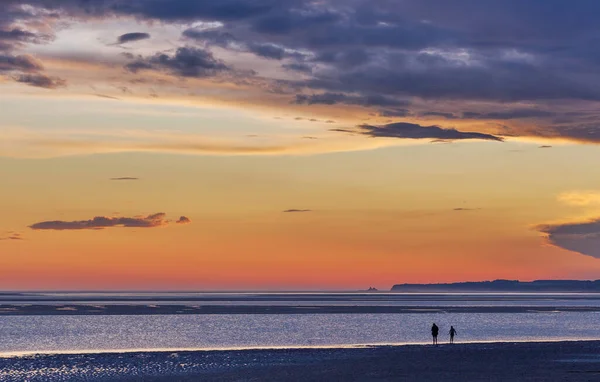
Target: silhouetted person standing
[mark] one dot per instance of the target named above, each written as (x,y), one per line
(434,333)
(452,334)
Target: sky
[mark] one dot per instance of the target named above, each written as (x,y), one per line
(297,144)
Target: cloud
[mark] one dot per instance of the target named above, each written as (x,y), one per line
(343,131)
(509,114)
(107,96)
(12,38)
(27,70)
(132,37)
(212,36)
(581,237)
(299,67)
(124,178)
(514,61)
(462,209)
(16,34)
(13,35)
(579,198)
(438,114)
(394,113)
(183,220)
(227,40)
(25,63)
(297,211)
(271,51)
(545,147)
(186,62)
(415,131)
(12,236)
(101,222)
(41,81)
(175,10)
(335,98)
(29,144)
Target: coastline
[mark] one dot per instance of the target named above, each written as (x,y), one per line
(494,361)
(84,352)
(158,309)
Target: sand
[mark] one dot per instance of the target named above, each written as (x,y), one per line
(531,361)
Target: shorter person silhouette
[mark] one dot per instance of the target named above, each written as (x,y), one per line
(434,333)
(452,334)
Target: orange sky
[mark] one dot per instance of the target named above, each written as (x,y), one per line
(281,162)
(375,219)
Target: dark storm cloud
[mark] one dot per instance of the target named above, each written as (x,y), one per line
(495,51)
(415,131)
(227,40)
(211,36)
(186,62)
(488,80)
(268,51)
(299,67)
(101,222)
(335,98)
(131,37)
(124,178)
(41,81)
(510,114)
(167,10)
(582,237)
(16,34)
(296,211)
(438,114)
(164,10)
(347,58)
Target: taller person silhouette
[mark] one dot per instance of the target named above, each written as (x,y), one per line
(434,333)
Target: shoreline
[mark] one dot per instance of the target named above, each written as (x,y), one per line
(577,360)
(83,352)
(157,309)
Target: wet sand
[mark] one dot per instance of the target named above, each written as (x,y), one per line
(551,361)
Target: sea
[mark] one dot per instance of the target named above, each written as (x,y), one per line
(48,323)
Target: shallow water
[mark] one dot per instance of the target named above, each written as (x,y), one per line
(93,333)
(313,299)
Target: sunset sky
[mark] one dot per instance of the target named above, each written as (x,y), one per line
(297,144)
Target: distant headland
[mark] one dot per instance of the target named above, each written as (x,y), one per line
(504,286)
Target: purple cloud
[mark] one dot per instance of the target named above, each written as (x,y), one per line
(101,222)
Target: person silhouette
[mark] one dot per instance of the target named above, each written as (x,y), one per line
(452,334)
(434,333)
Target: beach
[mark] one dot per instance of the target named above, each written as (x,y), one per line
(501,361)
